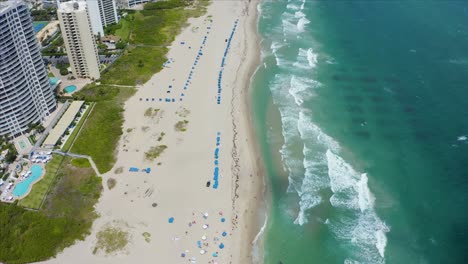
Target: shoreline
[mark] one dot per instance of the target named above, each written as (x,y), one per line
(245,75)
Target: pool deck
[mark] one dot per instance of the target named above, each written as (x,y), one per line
(22,150)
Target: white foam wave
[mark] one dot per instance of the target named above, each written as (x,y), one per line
(306,59)
(312,58)
(302,23)
(314,181)
(289,114)
(303,4)
(364,230)
(275,46)
(292,6)
(301,88)
(289,24)
(316,175)
(462,138)
(310,132)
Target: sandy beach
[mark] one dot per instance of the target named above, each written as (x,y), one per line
(199,203)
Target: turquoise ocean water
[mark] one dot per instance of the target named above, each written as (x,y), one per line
(361,113)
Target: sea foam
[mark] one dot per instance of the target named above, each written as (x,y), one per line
(363,229)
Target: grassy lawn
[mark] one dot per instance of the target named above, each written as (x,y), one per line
(67,215)
(126,27)
(135,66)
(152,29)
(100,134)
(81,163)
(39,190)
(50,74)
(72,136)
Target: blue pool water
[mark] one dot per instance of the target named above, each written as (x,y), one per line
(53,80)
(22,188)
(39,25)
(70,89)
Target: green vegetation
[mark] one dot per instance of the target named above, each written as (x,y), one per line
(81,163)
(63,68)
(111,239)
(149,32)
(75,132)
(154,152)
(150,112)
(161,136)
(67,215)
(40,189)
(183,112)
(135,66)
(100,134)
(119,170)
(50,74)
(146,236)
(181,126)
(46,14)
(111,182)
(122,29)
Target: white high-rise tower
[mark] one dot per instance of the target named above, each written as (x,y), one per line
(25,92)
(79,39)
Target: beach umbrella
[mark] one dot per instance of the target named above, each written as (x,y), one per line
(205,226)
(171,220)
(223,219)
(182,255)
(205,215)
(224,234)
(202,251)
(203,237)
(215,254)
(221,246)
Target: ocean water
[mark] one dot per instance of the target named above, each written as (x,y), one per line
(361,112)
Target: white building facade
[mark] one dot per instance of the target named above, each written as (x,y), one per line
(79,39)
(108,12)
(26,95)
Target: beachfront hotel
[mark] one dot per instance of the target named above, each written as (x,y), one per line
(25,92)
(79,39)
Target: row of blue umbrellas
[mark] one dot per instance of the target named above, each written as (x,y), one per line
(220,76)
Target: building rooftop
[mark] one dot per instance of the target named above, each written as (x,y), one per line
(6,5)
(72,6)
(63,124)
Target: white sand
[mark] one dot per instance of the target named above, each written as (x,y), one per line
(178,185)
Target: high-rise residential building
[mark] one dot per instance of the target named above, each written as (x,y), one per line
(108,12)
(79,39)
(101,13)
(25,92)
(95,17)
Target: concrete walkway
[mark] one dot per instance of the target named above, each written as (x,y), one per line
(74,155)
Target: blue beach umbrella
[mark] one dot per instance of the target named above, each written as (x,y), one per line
(221,246)
(171,220)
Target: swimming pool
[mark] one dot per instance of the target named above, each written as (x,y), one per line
(23,187)
(38,25)
(70,88)
(53,80)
